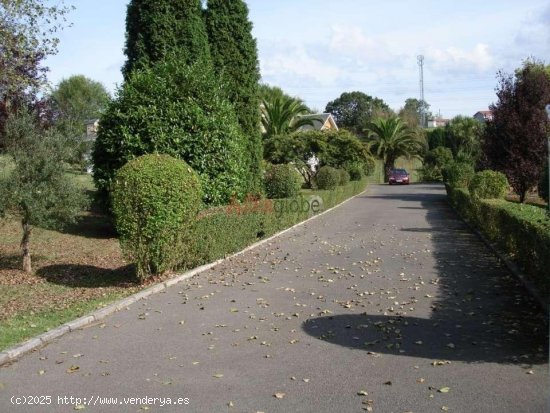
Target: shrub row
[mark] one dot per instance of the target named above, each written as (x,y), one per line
(222,231)
(522,231)
(156,200)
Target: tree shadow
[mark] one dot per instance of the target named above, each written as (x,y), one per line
(470,339)
(481,312)
(92,224)
(10,262)
(89,276)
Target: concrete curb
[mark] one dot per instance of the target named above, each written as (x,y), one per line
(37,342)
(510,265)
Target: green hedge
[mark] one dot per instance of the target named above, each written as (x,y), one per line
(224,230)
(522,231)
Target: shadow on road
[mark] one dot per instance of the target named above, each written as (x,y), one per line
(480,314)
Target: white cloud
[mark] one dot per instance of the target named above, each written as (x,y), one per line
(352,41)
(454,59)
(297,62)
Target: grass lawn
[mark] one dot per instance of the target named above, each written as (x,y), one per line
(76,271)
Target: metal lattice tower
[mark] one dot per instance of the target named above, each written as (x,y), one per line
(420,60)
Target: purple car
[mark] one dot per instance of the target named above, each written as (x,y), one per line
(399,177)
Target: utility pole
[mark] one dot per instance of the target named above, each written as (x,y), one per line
(420,59)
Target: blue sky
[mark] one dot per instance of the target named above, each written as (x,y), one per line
(317,49)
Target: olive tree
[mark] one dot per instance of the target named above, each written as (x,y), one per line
(36,189)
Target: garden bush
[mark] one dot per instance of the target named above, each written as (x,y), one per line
(344,177)
(155,199)
(181,111)
(430,173)
(355,172)
(521,231)
(282,181)
(458,174)
(433,164)
(489,185)
(327,178)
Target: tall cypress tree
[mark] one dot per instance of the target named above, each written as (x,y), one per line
(157,28)
(235,57)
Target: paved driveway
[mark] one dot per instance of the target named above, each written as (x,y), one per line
(386,304)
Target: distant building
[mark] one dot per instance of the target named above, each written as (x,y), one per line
(89,138)
(321,121)
(437,122)
(91,129)
(483,116)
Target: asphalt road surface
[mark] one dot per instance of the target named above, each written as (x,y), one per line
(386,304)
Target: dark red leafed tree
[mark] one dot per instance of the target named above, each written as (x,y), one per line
(515,140)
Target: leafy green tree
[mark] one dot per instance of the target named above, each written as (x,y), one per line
(156,29)
(235,58)
(412,111)
(435,137)
(463,137)
(37,189)
(282,115)
(270,93)
(390,139)
(435,161)
(73,102)
(354,110)
(80,99)
(178,110)
(28,34)
(338,149)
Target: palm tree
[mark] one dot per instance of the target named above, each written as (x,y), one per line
(283,115)
(390,139)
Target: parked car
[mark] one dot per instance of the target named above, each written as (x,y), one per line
(399,177)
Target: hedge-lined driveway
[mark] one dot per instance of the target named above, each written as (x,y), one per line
(386,304)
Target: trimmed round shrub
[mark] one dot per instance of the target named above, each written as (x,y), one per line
(327,178)
(178,110)
(282,181)
(155,199)
(458,174)
(344,177)
(489,185)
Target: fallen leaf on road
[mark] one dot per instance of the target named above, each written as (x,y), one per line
(444,390)
(362,393)
(279,395)
(218,375)
(72,369)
